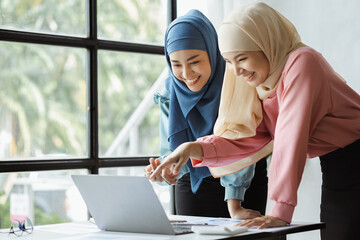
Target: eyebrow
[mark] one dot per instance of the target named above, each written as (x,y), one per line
(190,58)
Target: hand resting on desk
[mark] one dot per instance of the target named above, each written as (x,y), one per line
(263,222)
(238,212)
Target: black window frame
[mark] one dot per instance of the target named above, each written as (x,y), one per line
(93,162)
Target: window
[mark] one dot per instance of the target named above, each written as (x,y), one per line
(76,86)
(128,118)
(43,99)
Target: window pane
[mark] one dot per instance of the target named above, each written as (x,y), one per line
(50,16)
(45,197)
(128,117)
(213,10)
(162,191)
(42,101)
(132,20)
(184,6)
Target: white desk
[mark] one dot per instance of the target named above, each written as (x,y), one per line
(89,231)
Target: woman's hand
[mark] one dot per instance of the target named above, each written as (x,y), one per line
(263,222)
(177,159)
(154,163)
(167,175)
(244,213)
(238,212)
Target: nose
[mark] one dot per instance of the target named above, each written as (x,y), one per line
(238,71)
(187,72)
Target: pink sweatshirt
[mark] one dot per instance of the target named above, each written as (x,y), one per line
(311,113)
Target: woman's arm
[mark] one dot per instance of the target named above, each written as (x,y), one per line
(304,99)
(220,151)
(178,158)
(214,151)
(163,101)
(236,185)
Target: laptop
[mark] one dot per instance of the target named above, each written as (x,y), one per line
(125,204)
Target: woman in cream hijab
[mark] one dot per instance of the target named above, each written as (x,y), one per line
(276,88)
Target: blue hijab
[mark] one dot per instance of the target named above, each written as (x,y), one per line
(193,114)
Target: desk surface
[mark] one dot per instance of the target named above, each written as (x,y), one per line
(88,230)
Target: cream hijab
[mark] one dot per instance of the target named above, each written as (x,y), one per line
(254,27)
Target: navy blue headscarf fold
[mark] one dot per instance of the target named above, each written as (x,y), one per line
(193,114)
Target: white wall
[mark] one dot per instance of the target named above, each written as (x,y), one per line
(331,27)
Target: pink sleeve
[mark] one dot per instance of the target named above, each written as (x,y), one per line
(303,97)
(220,151)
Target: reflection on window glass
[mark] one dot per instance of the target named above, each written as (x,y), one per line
(128,117)
(44,197)
(50,16)
(42,101)
(132,20)
(161,190)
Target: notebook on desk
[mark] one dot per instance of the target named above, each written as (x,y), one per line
(125,204)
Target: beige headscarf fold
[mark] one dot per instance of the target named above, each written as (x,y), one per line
(254,27)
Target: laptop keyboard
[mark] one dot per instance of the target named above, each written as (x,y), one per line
(181,228)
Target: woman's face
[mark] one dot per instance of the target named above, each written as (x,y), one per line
(253,66)
(191,67)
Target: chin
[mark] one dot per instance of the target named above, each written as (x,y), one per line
(253,84)
(194,89)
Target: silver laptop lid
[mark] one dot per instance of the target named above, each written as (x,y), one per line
(123,203)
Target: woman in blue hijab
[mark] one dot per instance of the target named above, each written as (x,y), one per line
(190,108)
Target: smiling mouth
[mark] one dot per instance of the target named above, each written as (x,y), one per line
(192,81)
(249,76)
